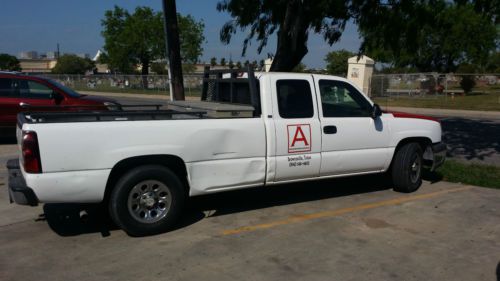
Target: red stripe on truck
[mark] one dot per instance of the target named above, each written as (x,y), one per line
(398,114)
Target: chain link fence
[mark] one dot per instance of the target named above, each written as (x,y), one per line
(435,90)
(428,90)
(133,84)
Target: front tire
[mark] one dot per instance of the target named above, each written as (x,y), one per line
(147,200)
(406,169)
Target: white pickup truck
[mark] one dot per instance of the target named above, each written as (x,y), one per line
(265,129)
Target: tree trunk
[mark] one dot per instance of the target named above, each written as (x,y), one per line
(144,73)
(292,38)
(173,49)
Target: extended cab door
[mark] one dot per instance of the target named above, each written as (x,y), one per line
(352,141)
(297,127)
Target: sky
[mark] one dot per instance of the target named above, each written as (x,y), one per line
(34,25)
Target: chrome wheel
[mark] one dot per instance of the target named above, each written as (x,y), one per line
(149,201)
(415,168)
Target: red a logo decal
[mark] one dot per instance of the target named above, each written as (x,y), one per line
(299,138)
(302,138)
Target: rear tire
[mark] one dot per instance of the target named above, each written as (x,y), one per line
(147,200)
(406,172)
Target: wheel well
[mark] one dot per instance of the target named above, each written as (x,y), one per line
(174,163)
(422,141)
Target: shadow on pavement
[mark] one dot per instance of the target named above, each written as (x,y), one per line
(8,136)
(264,197)
(77,219)
(472,139)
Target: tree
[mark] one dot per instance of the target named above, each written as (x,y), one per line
(159,68)
(136,39)
(299,68)
(468,81)
(223,62)
(10,63)
(238,64)
(493,65)
(292,20)
(336,62)
(72,64)
(231,64)
(191,38)
(432,35)
(213,61)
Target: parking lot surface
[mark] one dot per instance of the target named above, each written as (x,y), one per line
(344,229)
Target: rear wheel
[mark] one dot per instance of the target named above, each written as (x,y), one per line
(406,169)
(147,200)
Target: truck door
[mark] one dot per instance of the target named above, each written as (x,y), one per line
(352,141)
(297,127)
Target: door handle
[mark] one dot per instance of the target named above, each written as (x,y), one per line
(330,129)
(24,105)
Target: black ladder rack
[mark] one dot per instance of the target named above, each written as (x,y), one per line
(213,84)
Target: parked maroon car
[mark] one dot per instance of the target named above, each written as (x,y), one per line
(19,92)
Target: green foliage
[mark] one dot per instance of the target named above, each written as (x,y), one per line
(191,38)
(468,81)
(223,61)
(336,62)
(433,35)
(493,65)
(10,63)
(72,64)
(188,68)
(238,64)
(299,68)
(138,39)
(213,61)
(159,68)
(231,64)
(292,21)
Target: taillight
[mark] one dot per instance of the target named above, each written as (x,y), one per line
(31,153)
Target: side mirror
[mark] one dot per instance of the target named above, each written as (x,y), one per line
(376,111)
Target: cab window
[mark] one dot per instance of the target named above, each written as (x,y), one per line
(340,99)
(32,89)
(6,89)
(294,99)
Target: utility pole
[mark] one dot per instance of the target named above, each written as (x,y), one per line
(173,49)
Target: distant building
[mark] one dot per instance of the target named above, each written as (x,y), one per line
(28,55)
(37,65)
(51,55)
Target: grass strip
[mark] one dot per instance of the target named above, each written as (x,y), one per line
(474,174)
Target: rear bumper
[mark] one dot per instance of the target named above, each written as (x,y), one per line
(19,192)
(439,155)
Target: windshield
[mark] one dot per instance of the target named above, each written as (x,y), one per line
(66,89)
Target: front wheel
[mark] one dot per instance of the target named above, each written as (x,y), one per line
(406,169)
(147,200)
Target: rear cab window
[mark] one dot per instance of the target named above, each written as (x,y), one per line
(294,99)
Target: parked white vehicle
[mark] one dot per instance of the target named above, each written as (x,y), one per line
(286,128)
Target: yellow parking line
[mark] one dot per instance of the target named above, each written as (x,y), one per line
(333,213)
